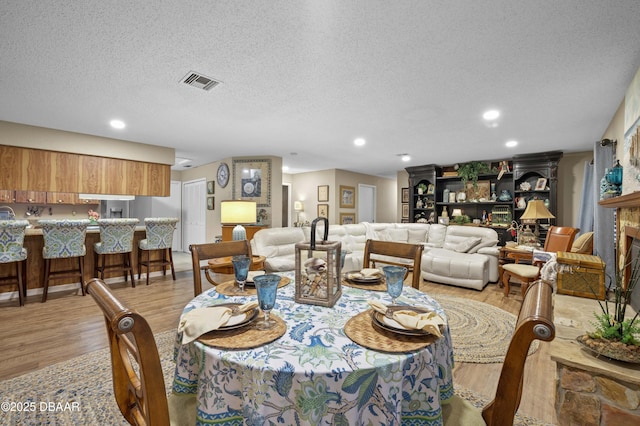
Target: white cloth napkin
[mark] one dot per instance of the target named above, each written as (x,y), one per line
(411,320)
(252,274)
(199,321)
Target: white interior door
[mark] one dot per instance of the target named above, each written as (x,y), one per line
(366,203)
(193,212)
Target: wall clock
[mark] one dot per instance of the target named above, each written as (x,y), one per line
(223,175)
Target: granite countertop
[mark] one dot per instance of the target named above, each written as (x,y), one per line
(572,318)
(91,229)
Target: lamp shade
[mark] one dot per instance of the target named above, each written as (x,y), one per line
(456,212)
(298,206)
(536,210)
(237,212)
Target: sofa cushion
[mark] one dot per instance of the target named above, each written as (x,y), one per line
(466,245)
(437,234)
(398,235)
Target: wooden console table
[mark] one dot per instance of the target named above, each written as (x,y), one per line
(227,231)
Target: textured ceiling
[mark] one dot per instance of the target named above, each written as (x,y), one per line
(302,79)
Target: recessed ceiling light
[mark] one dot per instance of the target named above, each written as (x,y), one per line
(359,142)
(405,157)
(511,144)
(117,124)
(491,114)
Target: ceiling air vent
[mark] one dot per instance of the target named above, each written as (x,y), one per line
(200,81)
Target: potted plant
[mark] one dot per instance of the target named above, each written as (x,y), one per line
(470,171)
(614,335)
(422,188)
(461,220)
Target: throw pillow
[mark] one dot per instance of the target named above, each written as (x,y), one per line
(583,244)
(467,244)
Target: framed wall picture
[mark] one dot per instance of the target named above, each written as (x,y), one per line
(210,203)
(541,184)
(431,189)
(347,218)
(347,197)
(405,210)
(211,187)
(323,210)
(252,181)
(323,193)
(405,195)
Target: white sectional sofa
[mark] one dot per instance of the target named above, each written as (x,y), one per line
(465,256)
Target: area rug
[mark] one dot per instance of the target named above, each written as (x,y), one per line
(79,391)
(480,332)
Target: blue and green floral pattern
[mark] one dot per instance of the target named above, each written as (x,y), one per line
(63,238)
(315,374)
(12,240)
(159,232)
(116,236)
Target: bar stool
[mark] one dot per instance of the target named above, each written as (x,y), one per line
(116,238)
(159,232)
(63,239)
(12,251)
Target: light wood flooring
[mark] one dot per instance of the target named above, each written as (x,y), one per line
(68,325)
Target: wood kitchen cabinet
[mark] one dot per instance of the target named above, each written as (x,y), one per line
(79,200)
(7,196)
(41,170)
(31,197)
(61,198)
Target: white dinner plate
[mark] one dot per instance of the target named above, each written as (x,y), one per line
(357,277)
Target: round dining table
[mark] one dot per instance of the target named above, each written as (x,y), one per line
(314,373)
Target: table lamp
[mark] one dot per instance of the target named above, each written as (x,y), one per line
(238,212)
(298,206)
(535,211)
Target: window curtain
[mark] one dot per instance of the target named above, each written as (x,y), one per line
(604,240)
(589,200)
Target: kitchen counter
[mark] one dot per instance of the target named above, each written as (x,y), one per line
(34,243)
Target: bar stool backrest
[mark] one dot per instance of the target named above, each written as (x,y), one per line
(12,240)
(64,238)
(116,235)
(159,232)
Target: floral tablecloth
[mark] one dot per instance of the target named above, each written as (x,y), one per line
(315,374)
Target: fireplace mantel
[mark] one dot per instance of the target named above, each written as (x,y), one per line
(623,201)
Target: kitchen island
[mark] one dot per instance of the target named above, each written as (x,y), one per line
(34,243)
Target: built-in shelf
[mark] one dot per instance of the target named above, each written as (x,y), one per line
(623,201)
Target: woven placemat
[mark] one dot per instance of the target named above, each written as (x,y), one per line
(246,337)
(229,288)
(361,330)
(381,286)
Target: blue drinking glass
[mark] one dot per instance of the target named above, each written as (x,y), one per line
(266,286)
(394,276)
(241,270)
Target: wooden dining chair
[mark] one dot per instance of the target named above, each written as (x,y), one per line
(535,322)
(389,252)
(139,390)
(559,238)
(202,252)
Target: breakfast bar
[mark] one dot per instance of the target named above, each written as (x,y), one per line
(35,263)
